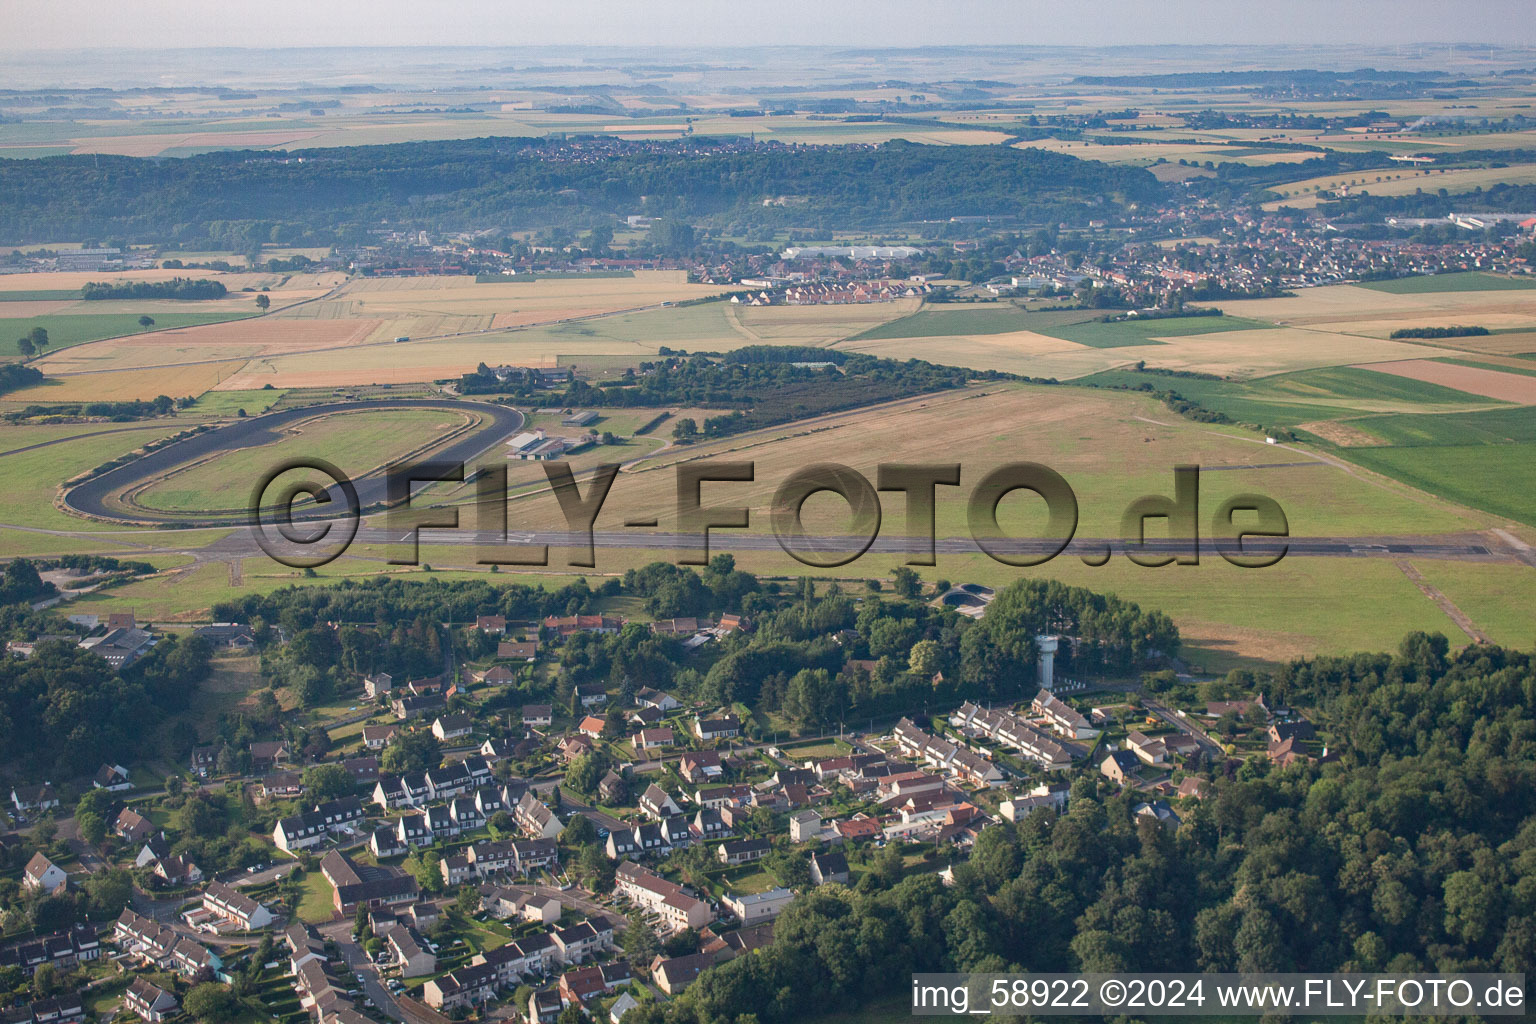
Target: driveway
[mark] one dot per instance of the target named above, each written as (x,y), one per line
(367,973)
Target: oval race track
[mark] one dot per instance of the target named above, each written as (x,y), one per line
(89,498)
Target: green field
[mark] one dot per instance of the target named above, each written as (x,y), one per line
(988,318)
(1491,427)
(1289,399)
(1497,367)
(66,329)
(1495,478)
(1125,333)
(1484,460)
(40,295)
(357,442)
(229,403)
(1465,282)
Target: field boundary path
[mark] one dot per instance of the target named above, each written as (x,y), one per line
(1456,615)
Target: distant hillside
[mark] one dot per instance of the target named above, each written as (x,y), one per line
(335,194)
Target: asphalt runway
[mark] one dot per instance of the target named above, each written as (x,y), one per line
(89,498)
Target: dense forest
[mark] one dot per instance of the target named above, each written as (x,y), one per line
(763,385)
(1415,851)
(15,375)
(818,657)
(64,710)
(332,195)
(175,288)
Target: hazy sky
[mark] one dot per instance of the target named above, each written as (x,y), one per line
(58,24)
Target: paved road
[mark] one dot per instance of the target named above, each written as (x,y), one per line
(1471,547)
(367,973)
(1183,724)
(90,497)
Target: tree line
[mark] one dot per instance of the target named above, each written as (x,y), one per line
(1414,851)
(335,194)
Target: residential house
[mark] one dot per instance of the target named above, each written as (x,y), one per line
(612,789)
(592,727)
(410,952)
(493,625)
(452,727)
(591,695)
(828,867)
(518,650)
(496,675)
(1194,787)
(534,854)
(34,798)
(377,737)
(178,871)
(265,754)
(943,755)
(364,770)
(1120,766)
(751,908)
(652,739)
(112,777)
(538,716)
(585,984)
(456,868)
(572,747)
(1158,811)
(61,1009)
(1062,717)
(707,824)
(1148,749)
(675,906)
(149,1001)
(43,875)
(544,1007)
(658,803)
(386,843)
(700,766)
(1010,730)
(647,697)
(717,727)
(378,685)
(461,988)
(409,707)
(804,827)
(743,851)
(565,625)
(676,974)
(132,826)
(236,907)
(300,832)
(535,819)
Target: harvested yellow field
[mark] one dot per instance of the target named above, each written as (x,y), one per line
(129,385)
(1021,352)
(428,325)
(1403,183)
(813,325)
(424,361)
(59,280)
(1506,387)
(516,304)
(32,307)
(210,342)
(154,145)
(1253,353)
(1384,327)
(1149,152)
(1337,306)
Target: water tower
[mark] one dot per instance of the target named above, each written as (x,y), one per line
(1046,645)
